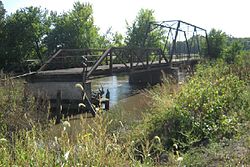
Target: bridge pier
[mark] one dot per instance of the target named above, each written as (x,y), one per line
(152,76)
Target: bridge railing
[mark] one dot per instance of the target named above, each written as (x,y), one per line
(130,59)
(112,60)
(71,58)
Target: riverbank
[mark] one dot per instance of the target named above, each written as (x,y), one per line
(204,122)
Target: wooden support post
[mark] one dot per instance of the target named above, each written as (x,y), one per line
(107,100)
(58,106)
(106,60)
(147,58)
(131,61)
(160,55)
(111,63)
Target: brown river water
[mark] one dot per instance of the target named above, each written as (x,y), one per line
(132,99)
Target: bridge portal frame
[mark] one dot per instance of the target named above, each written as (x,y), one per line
(177,26)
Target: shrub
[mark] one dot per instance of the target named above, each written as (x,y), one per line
(210,106)
(18,107)
(92,146)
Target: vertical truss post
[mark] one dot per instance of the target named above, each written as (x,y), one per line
(198,43)
(188,49)
(111,62)
(131,59)
(208,47)
(147,57)
(174,41)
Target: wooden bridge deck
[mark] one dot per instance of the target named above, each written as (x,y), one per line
(75,74)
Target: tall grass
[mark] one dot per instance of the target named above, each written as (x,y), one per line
(25,141)
(183,125)
(213,106)
(18,108)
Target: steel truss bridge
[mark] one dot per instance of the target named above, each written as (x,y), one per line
(181,44)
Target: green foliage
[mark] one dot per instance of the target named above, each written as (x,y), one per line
(110,39)
(210,107)
(33,24)
(2,12)
(232,51)
(136,33)
(2,33)
(74,29)
(241,67)
(217,42)
(92,146)
(18,106)
(224,46)
(213,100)
(233,152)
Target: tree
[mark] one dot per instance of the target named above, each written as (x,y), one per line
(110,39)
(2,34)
(136,34)
(217,43)
(2,12)
(233,50)
(74,29)
(25,31)
(117,40)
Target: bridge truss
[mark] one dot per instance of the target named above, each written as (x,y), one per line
(181,43)
(181,40)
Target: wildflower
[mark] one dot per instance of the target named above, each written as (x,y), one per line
(79,86)
(66,155)
(56,140)
(157,138)
(180,159)
(81,105)
(3,140)
(121,123)
(65,125)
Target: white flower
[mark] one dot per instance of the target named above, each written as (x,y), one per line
(65,125)
(3,140)
(180,159)
(66,155)
(81,105)
(157,138)
(79,86)
(121,124)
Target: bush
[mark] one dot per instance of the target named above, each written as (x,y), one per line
(209,107)
(18,107)
(241,67)
(92,146)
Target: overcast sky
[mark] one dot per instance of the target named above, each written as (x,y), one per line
(230,16)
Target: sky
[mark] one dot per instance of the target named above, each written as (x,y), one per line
(230,16)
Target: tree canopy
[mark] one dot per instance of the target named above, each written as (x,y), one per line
(74,29)
(216,41)
(36,33)
(25,30)
(137,32)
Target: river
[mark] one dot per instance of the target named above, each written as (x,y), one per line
(118,87)
(130,99)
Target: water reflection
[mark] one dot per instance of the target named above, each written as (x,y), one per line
(118,86)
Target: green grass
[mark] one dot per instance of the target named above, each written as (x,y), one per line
(204,122)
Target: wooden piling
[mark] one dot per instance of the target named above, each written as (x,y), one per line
(58,106)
